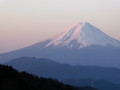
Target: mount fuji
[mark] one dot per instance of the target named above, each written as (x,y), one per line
(79,44)
(80,35)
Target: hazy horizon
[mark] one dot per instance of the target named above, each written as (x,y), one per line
(26,22)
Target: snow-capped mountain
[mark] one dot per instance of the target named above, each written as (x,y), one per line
(81,35)
(80,44)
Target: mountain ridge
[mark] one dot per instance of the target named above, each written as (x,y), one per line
(52,69)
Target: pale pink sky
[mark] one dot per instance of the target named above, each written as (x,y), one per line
(24,22)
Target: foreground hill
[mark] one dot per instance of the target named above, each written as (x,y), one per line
(51,69)
(11,79)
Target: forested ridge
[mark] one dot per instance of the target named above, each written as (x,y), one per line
(11,79)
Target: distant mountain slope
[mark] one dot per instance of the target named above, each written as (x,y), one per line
(48,68)
(80,44)
(99,84)
(11,79)
(92,55)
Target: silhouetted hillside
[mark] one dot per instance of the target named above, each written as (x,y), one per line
(11,79)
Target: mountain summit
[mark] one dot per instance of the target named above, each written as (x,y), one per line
(80,35)
(79,44)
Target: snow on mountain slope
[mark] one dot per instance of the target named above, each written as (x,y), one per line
(81,35)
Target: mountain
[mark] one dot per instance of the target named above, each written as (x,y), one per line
(80,44)
(80,35)
(99,84)
(50,69)
(11,79)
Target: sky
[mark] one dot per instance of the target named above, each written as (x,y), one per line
(25,22)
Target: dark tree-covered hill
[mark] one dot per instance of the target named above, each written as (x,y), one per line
(11,79)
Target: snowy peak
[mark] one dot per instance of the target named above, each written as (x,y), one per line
(80,35)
